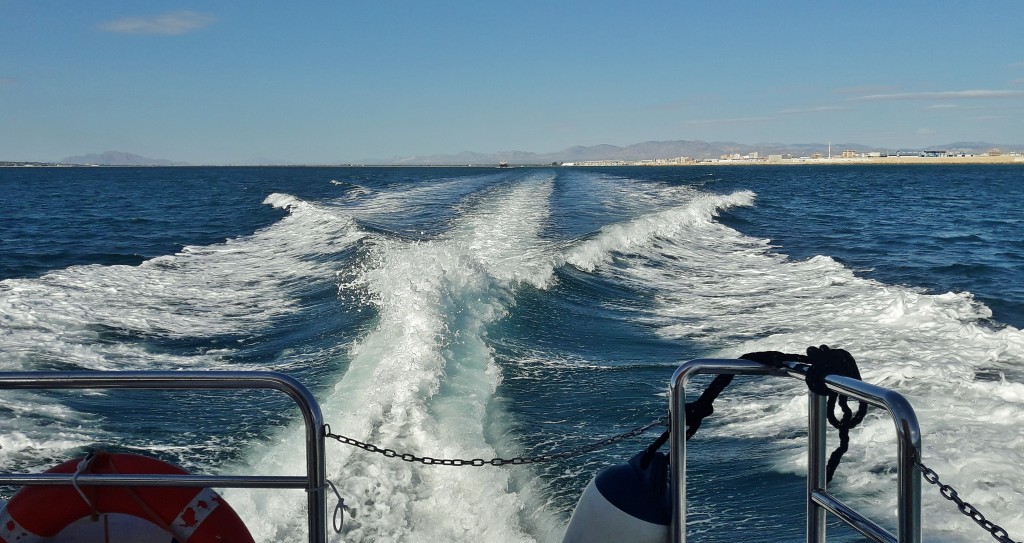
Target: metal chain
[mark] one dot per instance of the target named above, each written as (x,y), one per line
(998,532)
(950,493)
(477,462)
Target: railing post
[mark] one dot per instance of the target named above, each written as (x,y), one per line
(819,501)
(677,454)
(908,474)
(314,483)
(316,463)
(677,425)
(816,464)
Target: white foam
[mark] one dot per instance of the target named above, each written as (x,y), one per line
(735,295)
(641,232)
(36,431)
(421,382)
(504,233)
(229,288)
(66,318)
(407,198)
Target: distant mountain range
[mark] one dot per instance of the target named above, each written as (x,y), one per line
(670,149)
(117,158)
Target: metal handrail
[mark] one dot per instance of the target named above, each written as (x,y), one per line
(314,482)
(819,501)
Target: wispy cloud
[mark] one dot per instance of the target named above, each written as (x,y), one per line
(942,106)
(818,109)
(737,120)
(173,23)
(7,81)
(943,95)
(862,89)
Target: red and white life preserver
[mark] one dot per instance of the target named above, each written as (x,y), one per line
(118,513)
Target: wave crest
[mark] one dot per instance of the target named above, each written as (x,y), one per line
(642,231)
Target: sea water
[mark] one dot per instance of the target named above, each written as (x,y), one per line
(480,313)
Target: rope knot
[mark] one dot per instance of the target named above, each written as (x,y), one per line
(825,361)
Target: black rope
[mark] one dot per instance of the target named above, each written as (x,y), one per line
(773,358)
(696,412)
(703,407)
(653,448)
(822,361)
(825,361)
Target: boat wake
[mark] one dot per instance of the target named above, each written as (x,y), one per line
(386,298)
(422,379)
(734,294)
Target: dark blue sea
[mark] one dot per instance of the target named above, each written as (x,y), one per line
(484,312)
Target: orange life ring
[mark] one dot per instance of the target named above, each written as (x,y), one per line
(185,514)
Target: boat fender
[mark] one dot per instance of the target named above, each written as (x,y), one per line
(627,502)
(114,513)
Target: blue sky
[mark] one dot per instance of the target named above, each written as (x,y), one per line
(340,81)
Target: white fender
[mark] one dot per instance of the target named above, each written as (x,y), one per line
(624,503)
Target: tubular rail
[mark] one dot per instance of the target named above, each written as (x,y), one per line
(314,482)
(819,500)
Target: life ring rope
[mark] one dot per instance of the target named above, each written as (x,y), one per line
(151,515)
(83,467)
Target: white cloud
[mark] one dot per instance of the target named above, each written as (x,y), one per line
(942,106)
(818,109)
(862,89)
(172,23)
(738,120)
(7,81)
(943,95)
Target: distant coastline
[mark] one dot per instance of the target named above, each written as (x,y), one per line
(650,153)
(872,161)
(824,161)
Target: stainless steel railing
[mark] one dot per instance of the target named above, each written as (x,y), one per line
(314,482)
(819,500)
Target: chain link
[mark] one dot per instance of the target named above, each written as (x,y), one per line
(998,532)
(950,493)
(477,462)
